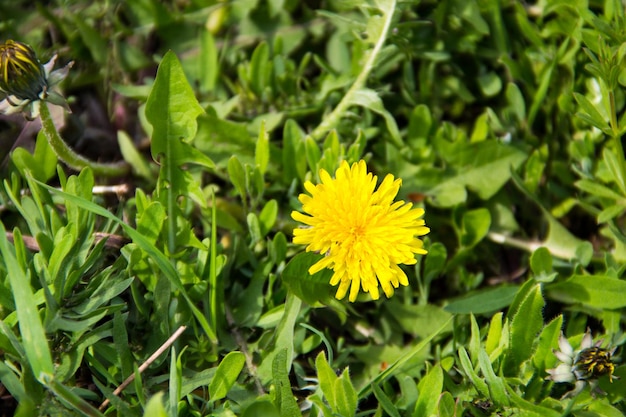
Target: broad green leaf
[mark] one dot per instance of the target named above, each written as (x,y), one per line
(120,340)
(541,265)
(615,168)
(474,226)
(470,12)
(378,26)
(237,175)
(174,381)
(294,166)
(332,153)
(64,241)
(527,408)
(610,213)
(313,154)
(597,189)
(589,113)
(541,261)
(194,380)
(475,339)
(497,386)
(172,110)
(103,294)
(155,254)
(559,240)
(516,101)
(408,392)
(259,70)
(602,409)
(417,320)
(447,406)
(283,339)
(544,358)
(41,164)
(481,128)
(155,407)
(483,167)
(276,6)
(262,151)
(435,262)
(208,60)
(268,216)
(429,391)
(598,291)
(535,167)
(278,248)
(12,383)
(483,301)
(356,149)
(494,334)
(284,399)
(489,83)
(312,289)
(254,227)
(261,407)
(226,374)
(468,370)
(525,326)
(385,402)
(131,155)
(345,395)
(69,396)
(369,99)
(150,221)
(406,357)
(31,328)
(220,138)
(420,122)
(327,379)
(540,93)
(93,39)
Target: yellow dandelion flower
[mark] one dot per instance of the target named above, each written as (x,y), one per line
(362,232)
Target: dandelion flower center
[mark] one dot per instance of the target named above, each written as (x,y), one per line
(362,232)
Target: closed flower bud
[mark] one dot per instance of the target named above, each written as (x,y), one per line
(21,73)
(25,82)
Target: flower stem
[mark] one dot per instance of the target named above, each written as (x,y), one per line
(618,143)
(333,118)
(71,158)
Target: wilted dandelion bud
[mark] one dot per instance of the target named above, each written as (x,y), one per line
(25,82)
(582,366)
(21,73)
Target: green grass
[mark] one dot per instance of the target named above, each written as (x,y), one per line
(164,200)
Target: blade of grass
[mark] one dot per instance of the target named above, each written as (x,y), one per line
(70,397)
(213,298)
(394,367)
(32,331)
(155,254)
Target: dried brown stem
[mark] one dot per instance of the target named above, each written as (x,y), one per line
(145,365)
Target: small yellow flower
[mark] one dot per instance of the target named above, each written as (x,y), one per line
(24,81)
(362,232)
